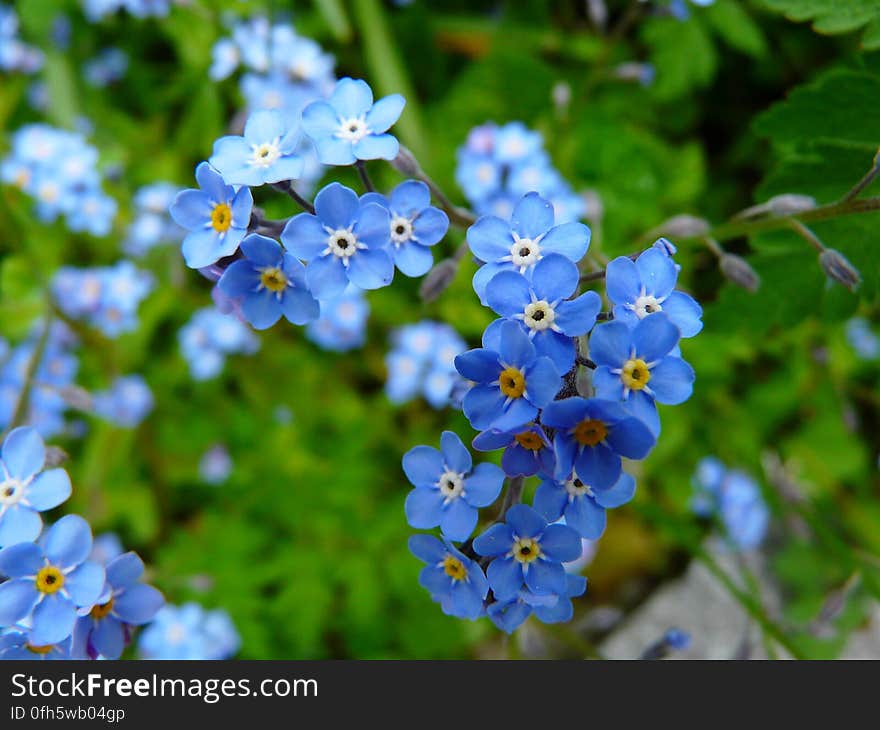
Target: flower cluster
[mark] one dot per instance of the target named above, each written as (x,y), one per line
(57,601)
(560,416)
(734,499)
(15,54)
(499,164)
(152,224)
(106,297)
(96,10)
(58,169)
(209,337)
(342,325)
(422,361)
(126,403)
(189,632)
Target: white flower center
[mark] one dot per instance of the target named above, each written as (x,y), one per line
(539,315)
(11,492)
(176,634)
(525,252)
(353,129)
(401,230)
(646,304)
(576,488)
(343,244)
(451,484)
(265,154)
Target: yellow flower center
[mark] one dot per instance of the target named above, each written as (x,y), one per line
(454,568)
(39,649)
(273,279)
(526,550)
(221,217)
(100,611)
(590,432)
(635,375)
(512,382)
(49,580)
(529,440)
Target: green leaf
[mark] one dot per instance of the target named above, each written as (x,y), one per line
(733,24)
(834,16)
(681,53)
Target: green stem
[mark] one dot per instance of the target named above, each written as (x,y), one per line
(21,406)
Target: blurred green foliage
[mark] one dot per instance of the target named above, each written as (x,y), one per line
(305,545)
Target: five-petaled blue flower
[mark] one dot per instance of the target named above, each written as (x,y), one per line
(543,308)
(415,225)
(267,153)
(512,383)
(124,602)
(50,582)
(582,505)
(448,489)
(455,581)
(527,450)
(25,491)
(216,217)
(592,435)
(635,365)
(646,286)
(526,550)
(526,239)
(350,127)
(269,282)
(344,241)
(15,644)
(509,614)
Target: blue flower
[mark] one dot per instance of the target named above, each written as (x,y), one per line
(211,335)
(645,286)
(350,127)
(543,308)
(526,550)
(15,644)
(527,450)
(189,632)
(454,581)
(50,582)
(635,365)
(582,505)
(592,435)
(124,603)
(25,490)
(509,614)
(512,382)
(448,488)
(127,403)
(415,225)
(269,282)
(526,239)
(735,498)
(423,361)
(345,241)
(265,154)
(342,325)
(216,217)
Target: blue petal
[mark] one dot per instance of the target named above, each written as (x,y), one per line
(491,440)
(555,277)
(569,239)
(622,282)
(108,638)
(542,382)
(304,236)
(424,508)
(508,293)
(351,97)
(610,344)
(489,239)
(68,541)
(262,250)
(299,306)
(550,500)
(371,269)
(657,272)
(53,621)
(516,347)
(138,605)
(606,384)
(484,275)
(48,490)
(455,455)
(19,524)
(261,309)
(482,405)
(435,581)
(483,485)
(480,365)
(518,461)
(586,517)
(497,540)
(85,584)
(385,112)
(124,570)
(376,147)
(631,438)
(458,520)
(242,205)
(287,167)
(334,151)
(423,465)
(203,247)
(191,209)
(264,125)
(544,577)
(561,543)
(565,413)
(505,577)
(427,548)
(319,120)
(598,465)
(532,216)
(577,317)
(409,198)
(509,616)
(654,337)
(239,280)
(524,521)
(373,225)
(326,277)
(211,183)
(672,381)
(23,452)
(516,414)
(466,601)
(430,226)
(17,598)
(337,206)
(684,312)
(412,259)
(619,494)
(20,560)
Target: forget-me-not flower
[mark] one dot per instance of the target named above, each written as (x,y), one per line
(455,581)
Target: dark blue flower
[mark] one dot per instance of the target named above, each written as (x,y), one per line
(526,550)
(350,127)
(527,450)
(635,365)
(512,383)
(448,489)
(592,435)
(519,244)
(344,241)
(124,602)
(542,306)
(269,282)
(415,225)
(216,217)
(582,505)
(456,582)
(508,615)
(646,286)
(49,583)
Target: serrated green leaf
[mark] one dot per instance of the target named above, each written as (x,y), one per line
(830,16)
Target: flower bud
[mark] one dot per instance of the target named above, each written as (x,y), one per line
(55,456)
(737,270)
(790,203)
(405,163)
(76,397)
(836,267)
(684,226)
(438,279)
